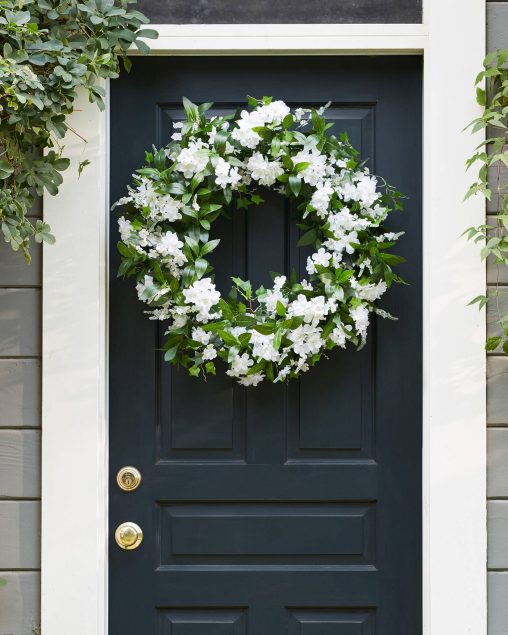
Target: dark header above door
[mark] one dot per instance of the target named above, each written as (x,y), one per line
(283,11)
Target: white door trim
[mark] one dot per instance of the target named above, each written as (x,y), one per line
(74,477)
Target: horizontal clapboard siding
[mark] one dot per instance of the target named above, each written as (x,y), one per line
(20,532)
(20,393)
(20,437)
(20,311)
(20,603)
(20,463)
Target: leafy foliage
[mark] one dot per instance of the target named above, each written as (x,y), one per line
(50,49)
(492,157)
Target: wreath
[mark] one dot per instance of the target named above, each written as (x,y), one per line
(166,235)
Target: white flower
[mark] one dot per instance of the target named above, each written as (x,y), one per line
(160,313)
(211,135)
(279,282)
(263,348)
(226,174)
(306,339)
(168,244)
(145,194)
(360,316)
(179,321)
(377,211)
(192,159)
(283,373)
(348,191)
(300,114)
(366,189)
(244,133)
(200,335)
(316,171)
(274,112)
(125,228)
(168,208)
(178,125)
(389,236)
(263,170)
(321,198)
(320,257)
(252,380)
(209,352)
(338,337)
(146,289)
(202,296)
(371,292)
(312,311)
(240,365)
(176,136)
(301,365)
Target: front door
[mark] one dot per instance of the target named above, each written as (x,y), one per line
(271,510)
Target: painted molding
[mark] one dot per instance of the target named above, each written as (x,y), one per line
(74,388)
(74,481)
(267,39)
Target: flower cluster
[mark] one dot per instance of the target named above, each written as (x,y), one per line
(279,332)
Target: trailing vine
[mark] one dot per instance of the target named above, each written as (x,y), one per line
(492,157)
(50,49)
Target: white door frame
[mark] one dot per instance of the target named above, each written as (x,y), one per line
(75,291)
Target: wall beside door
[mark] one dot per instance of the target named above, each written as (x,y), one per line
(20,432)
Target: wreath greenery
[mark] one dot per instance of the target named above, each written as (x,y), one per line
(166,238)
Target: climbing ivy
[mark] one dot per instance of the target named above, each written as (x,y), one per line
(49,50)
(491,159)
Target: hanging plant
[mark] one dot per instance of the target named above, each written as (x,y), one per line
(50,49)
(167,237)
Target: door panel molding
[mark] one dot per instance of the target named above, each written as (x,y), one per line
(75,288)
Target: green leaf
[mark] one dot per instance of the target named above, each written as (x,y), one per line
(151,34)
(200,265)
(295,184)
(288,121)
(309,238)
(492,343)
(193,244)
(280,308)
(170,354)
(228,338)
(6,169)
(190,109)
(209,246)
(481,96)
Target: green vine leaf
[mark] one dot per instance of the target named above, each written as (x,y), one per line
(491,163)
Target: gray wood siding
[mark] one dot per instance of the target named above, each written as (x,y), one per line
(20,437)
(497,407)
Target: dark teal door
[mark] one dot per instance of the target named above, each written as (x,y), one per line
(271,510)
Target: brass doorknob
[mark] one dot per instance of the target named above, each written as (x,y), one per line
(128,536)
(128,478)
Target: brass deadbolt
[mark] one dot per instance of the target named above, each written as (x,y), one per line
(128,536)
(128,478)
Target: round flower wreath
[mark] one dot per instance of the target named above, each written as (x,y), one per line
(274,333)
